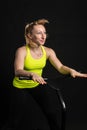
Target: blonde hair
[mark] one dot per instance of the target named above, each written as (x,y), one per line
(29,27)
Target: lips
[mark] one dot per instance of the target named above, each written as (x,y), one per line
(42,41)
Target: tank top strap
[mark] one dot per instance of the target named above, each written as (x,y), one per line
(44,52)
(28,50)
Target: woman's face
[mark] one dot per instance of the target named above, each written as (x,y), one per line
(38,34)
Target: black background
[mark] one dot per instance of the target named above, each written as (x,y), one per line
(67,36)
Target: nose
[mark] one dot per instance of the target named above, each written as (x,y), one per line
(43,35)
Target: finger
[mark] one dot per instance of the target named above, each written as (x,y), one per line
(41,81)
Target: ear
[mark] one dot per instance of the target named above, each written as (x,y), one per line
(29,36)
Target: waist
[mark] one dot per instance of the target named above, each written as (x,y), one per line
(24,83)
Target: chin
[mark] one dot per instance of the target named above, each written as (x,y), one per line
(41,43)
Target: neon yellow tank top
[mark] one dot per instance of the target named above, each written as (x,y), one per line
(31,65)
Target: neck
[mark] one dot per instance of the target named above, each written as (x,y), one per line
(36,51)
(34,46)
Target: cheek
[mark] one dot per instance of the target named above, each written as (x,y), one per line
(34,38)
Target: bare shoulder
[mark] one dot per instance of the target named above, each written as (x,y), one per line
(49,51)
(21,50)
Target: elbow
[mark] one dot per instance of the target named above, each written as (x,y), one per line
(16,73)
(63,69)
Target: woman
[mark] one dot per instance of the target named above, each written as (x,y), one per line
(31,96)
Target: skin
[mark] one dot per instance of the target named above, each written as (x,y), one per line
(36,39)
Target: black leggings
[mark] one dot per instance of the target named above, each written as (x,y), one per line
(33,109)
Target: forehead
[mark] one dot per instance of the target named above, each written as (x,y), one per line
(38,27)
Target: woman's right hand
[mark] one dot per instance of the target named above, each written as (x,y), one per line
(37,78)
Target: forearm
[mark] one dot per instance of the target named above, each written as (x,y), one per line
(66,70)
(35,77)
(21,72)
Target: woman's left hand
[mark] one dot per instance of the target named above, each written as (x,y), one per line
(75,74)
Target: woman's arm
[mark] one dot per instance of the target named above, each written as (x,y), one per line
(60,67)
(19,63)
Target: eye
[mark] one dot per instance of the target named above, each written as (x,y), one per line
(45,33)
(42,33)
(39,33)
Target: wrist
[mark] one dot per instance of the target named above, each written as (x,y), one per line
(31,75)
